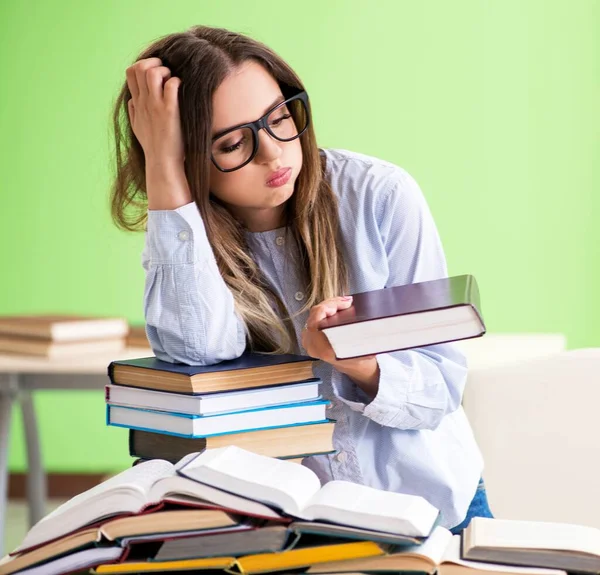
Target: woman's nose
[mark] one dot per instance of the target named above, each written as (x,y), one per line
(269,148)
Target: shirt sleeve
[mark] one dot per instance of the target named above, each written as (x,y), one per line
(417,387)
(189,310)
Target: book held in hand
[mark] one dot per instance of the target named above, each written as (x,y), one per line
(297,491)
(250,370)
(405,317)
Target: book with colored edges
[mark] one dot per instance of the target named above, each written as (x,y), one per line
(574,548)
(290,442)
(185,425)
(406,316)
(297,492)
(296,558)
(439,553)
(126,531)
(248,371)
(63,327)
(212,403)
(144,488)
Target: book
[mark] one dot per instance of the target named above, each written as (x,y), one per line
(297,491)
(143,488)
(54,350)
(185,425)
(268,539)
(405,317)
(544,544)
(256,563)
(63,327)
(250,370)
(291,442)
(211,403)
(171,522)
(439,553)
(136,337)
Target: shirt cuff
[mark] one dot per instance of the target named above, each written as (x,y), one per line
(176,236)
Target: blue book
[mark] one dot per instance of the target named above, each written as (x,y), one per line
(250,370)
(186,425)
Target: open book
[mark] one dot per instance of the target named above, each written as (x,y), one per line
(146,485)
(439,553)
(297,491)
(556,545)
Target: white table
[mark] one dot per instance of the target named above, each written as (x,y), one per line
(20,375)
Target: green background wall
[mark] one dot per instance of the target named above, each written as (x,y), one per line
(490,105)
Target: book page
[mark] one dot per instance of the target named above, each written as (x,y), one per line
(283,484)
(361,506)
(516,534)
(452,555)
(125,492)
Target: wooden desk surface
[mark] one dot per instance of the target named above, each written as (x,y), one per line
(88,364)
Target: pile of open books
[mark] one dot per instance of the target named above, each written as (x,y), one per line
(235,511)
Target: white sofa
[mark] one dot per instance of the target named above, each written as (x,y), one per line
(536,422)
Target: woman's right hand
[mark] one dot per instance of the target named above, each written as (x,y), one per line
(154,111)
(155,120)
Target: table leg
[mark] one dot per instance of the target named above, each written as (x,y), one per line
(8,394)
(36,476)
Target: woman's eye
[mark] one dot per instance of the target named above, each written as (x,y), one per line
(281,119)
(232,148)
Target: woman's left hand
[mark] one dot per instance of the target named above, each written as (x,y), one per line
(363,370)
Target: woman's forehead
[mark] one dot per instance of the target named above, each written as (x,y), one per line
(244,96)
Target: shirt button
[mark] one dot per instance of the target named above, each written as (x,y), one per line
(279,240)
(299,296)
(183,236)
(341,457)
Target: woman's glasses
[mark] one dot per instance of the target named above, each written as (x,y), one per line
(237,146)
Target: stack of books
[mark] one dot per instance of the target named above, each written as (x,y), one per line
(62,336)
(231,510)
(269,404)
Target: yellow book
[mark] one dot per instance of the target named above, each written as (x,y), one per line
(304,557)
(162,566)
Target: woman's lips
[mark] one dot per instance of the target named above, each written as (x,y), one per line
(279,178)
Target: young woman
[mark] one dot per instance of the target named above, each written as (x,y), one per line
(254,234)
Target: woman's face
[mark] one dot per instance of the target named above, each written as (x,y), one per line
(244,96)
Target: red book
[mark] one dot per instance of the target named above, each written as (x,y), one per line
(405,317)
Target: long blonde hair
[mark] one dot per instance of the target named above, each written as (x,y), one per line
(202,57)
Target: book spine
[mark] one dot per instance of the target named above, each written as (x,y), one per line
(474,299)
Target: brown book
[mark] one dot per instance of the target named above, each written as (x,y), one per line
(63,327)
(57,350)
(284,442)
(405,317)
(171,522)
(250,370)
(137,336)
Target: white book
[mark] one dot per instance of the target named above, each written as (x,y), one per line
(439,553)
(546,544)
(76,561)
(216,424)
(297,491)
(210,403)
(132,491)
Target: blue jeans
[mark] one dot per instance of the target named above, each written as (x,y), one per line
(479,508)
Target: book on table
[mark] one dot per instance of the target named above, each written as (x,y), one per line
(144,488)
(126,533)
(539,543)
(406,317)
(296,491)
(250,370)
(438,554)
(212,403)
(186,425)
(291,442)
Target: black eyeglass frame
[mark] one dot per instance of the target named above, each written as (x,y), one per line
(262,123)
